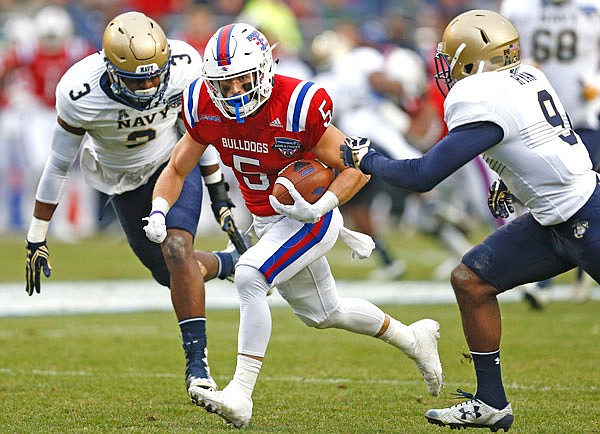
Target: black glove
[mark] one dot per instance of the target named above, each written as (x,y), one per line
(219,199)
(500,199)
(38,259)
(221,205)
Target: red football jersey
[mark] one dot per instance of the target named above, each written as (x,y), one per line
(285,129)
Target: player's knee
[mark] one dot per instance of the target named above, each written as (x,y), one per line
(250,282)
(460,277)
(467,284)
(175,249)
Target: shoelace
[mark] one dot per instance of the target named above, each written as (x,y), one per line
(461,394)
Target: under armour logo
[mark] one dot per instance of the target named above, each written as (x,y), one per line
(497,360)
(474,412)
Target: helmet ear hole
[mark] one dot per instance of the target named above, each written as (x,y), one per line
(468,69)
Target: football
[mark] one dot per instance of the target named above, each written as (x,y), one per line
(310,177)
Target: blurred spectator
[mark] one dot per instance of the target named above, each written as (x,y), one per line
(198,26)
(30,72)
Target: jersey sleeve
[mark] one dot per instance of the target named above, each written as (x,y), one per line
(189,108)
(65,107)
(474,99)
(319,112)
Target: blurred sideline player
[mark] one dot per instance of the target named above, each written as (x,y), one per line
(259,122)
(29,74)
(120,110)
(562,38)
(510,114)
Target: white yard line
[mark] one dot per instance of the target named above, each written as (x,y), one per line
(147,295)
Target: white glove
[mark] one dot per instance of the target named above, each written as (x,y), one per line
(156,229)
(302,210)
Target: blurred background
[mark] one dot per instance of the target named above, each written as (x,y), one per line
(374,57)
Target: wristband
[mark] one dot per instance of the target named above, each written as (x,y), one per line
(37,230)
(327,202)
(161,205)
(213,178)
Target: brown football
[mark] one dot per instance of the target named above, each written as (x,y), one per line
(310,177)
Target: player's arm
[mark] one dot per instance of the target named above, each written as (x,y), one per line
(186,154)
(348,181)
(457,148)
(64,147)
(343,187)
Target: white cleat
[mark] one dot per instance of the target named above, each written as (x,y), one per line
(231,403)
(204,383)
(472,414)
(425,353)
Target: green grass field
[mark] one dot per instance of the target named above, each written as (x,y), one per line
(124,372)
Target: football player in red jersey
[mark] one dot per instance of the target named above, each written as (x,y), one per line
(259,122)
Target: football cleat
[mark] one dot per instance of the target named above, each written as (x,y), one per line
(231,403)
(472,414)
(425,353)
(197,372)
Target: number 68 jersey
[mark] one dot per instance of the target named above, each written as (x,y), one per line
(541,159)
(562,40)
(124,146)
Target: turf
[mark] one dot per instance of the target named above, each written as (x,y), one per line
(123,373)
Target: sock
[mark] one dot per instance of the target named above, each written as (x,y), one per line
(399,335)
(226,265)
(193,331)
(246,373)
(489,379)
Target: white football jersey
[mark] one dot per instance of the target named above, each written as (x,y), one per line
(563,40)
(541,159)
(124,146)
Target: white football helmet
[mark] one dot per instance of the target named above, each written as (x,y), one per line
(53,27)
(136,48)
(234,51)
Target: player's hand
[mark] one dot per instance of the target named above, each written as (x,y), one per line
(38,260)
(300,210)
(156,229)
(500,200)
(353,150)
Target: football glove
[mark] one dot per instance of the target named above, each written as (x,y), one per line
(301,209)
(353,150)
(38,260)
(221,205)
(156,229)
(500,200)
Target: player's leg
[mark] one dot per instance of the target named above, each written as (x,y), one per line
(285,247)
(187,288)
(518,253)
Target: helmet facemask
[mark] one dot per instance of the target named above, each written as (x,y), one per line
(248,58)
(140,98)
